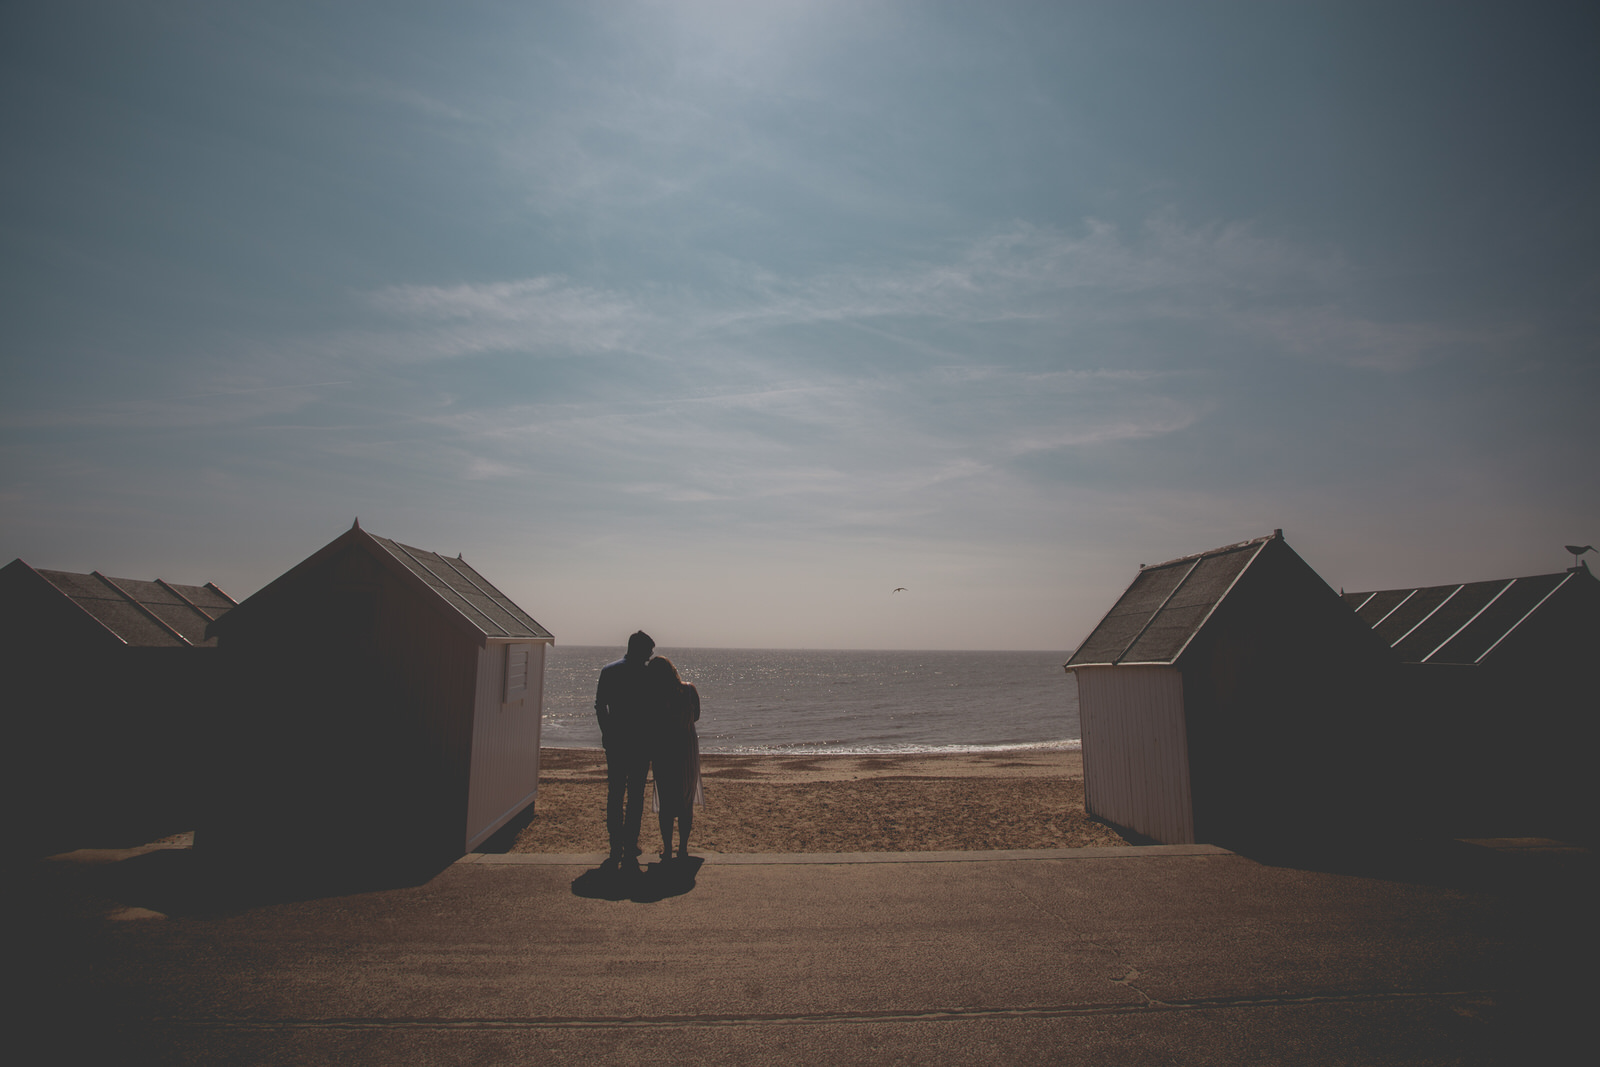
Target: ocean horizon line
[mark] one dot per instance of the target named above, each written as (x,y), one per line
(804,648)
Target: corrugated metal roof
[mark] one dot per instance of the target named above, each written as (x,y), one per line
(472,596)
(1460,623)
(145,614)
(1167,604)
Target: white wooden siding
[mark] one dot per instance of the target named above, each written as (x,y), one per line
(505,738)
(1136,750)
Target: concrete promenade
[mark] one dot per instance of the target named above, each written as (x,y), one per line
(1444,954)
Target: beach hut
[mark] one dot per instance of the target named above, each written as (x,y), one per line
(106,679)
(1499,677)
(1231,696)
(386,704)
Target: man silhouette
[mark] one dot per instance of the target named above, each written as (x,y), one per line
(622,704)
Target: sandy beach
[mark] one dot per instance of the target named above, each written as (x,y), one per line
(863,803)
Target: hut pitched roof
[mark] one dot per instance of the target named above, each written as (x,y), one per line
(452,586)
(146,614)
(1166,606)
(1462,623)
(469,593)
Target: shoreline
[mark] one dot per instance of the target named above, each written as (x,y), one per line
(880,802)
(588,764)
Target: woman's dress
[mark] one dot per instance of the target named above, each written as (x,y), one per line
(677,756)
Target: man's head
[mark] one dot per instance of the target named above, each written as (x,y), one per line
(640,646)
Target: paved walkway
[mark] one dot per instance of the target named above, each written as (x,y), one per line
(1460,953)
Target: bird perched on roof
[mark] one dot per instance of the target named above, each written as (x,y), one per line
(901,589)
(1578,550)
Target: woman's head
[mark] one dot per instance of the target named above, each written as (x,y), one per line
(663,668)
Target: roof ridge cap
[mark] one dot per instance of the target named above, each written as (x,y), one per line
(1276,535)
(1448,585)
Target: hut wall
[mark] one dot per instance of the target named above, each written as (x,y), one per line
(1135,750)
(505,739)
(98,753)
(353,728)
(1542,702)
(1502,748)
(1457,745)
(434,670)
(1289,700)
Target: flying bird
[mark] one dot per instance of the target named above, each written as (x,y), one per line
(902,589)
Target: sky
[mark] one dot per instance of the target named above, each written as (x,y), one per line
(725,319)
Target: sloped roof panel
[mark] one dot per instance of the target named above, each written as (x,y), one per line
(1158,615)
(141,613)
(1190,605)
(1129,616)
(208,598)
(1411,611)
(1458,624)
(111,609)
(1450,616)
(162,602)
(471,595)
(1372,607)
(1498,619)
(475,589)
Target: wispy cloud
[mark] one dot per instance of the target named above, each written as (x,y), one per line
(751,402)
(750,399)
(1225,280)
(544,314)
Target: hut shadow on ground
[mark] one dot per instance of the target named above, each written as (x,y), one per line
(648,885)
(189,883)
(1490,864)
(504,839)
(1533,897)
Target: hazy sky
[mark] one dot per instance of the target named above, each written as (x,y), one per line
(725,319)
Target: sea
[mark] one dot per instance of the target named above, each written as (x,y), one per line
(818,702)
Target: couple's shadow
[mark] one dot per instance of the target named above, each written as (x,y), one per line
(646,885)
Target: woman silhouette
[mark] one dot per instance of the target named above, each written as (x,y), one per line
(676,755)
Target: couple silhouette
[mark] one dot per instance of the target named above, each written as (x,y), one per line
(647,716)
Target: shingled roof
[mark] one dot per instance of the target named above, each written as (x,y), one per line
(1167,604)
(1461,623)
(144,614)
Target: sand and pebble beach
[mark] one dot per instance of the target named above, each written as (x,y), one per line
(921,802)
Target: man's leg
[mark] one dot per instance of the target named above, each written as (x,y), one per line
(616,790)
(638,769)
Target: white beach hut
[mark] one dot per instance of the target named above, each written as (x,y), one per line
(386,701)
(1230,696)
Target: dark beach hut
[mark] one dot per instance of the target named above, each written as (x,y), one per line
(386,707)
(1230,696)
(106,679)
(1499,684)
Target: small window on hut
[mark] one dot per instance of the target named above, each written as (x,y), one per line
(517,659)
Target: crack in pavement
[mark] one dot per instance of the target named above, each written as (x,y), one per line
(1131,973)
(1127,981)
(596,1022)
